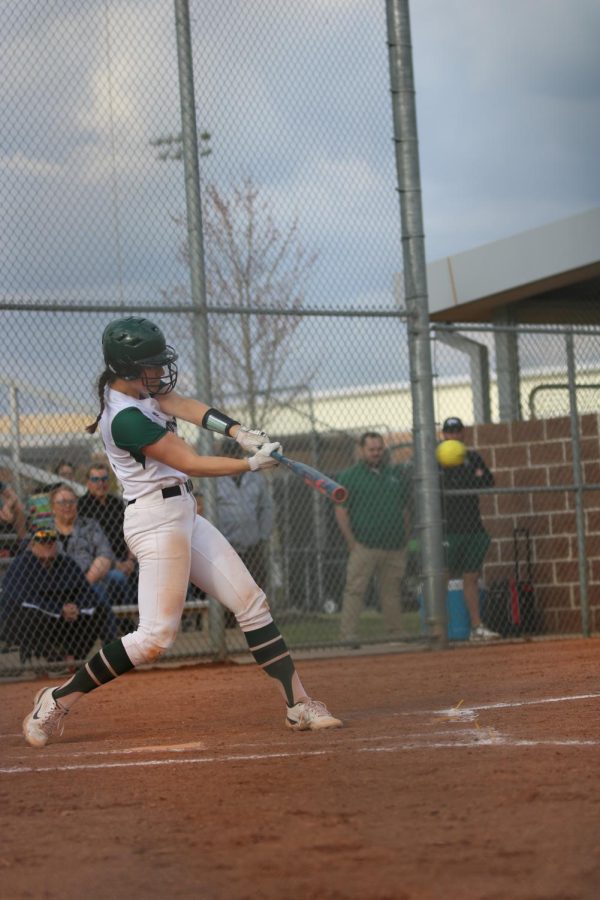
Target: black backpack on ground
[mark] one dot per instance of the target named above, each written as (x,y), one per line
(510,606)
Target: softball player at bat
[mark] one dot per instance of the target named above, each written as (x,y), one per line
(173,545)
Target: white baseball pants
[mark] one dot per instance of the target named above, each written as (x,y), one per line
(174,546)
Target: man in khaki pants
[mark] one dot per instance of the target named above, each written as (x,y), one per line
(374,523)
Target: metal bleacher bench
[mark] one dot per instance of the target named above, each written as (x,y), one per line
(197,607)
(9,544)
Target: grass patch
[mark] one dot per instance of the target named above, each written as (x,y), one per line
(318,628)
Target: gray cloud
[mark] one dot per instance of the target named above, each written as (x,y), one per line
(509,112)
(297,95)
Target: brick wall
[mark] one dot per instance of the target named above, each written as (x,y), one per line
(524,454)
(539,453)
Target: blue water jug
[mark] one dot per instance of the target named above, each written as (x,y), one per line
(459,621)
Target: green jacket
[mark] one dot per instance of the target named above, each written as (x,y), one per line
(377,502)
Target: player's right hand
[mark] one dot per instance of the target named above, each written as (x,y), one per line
(262,459)
(251,439)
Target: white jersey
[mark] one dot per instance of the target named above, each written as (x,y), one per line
(127,426)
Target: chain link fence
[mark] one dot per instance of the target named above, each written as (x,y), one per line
(306,331)
(540,513)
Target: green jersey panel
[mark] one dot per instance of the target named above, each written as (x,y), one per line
(128,425)
(131,431)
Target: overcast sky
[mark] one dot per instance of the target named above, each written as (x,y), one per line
(509,115)
(296,96)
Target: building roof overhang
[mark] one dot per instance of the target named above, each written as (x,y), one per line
(548,275)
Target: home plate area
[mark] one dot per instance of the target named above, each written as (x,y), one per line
(504,724)
(508,724)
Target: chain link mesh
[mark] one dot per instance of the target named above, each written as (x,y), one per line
(306,329)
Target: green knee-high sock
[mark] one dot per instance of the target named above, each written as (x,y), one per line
(108,663)
(271,653)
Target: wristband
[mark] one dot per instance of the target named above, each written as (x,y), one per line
(213,420)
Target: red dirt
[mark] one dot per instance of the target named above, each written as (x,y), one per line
(401,803)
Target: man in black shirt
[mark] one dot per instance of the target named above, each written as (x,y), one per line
(108,511)
(48,607)
(467,539)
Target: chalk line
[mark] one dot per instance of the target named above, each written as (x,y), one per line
(479,738)
(461,738)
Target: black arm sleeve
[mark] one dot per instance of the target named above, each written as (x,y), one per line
(485,480)
(214,420)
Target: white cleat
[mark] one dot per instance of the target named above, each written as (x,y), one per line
(310,715)
(46,718)
(481,633)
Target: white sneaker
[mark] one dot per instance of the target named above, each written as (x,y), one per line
(481,633)
(46,718)
(310,715)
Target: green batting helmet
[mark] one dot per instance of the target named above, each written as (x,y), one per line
(131,344)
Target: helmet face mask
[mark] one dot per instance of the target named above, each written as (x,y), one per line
(133,344)
(163,384)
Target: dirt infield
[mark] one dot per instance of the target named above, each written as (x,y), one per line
(468,774)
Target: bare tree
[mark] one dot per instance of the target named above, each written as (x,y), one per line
(251,265)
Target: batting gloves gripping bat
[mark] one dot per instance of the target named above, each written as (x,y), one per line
(251,439)
(262,459)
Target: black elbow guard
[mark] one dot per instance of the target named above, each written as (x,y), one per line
(213,420)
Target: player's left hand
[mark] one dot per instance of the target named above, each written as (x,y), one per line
(251,439)
(262,459)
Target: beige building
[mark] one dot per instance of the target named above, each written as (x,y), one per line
(386,408)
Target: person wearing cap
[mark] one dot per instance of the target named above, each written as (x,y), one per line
(48,608)
(466,538)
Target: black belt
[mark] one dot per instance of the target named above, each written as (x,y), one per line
(175,490)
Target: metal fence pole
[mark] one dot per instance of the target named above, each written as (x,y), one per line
(320,537)
(578,481)
(15,438)
(197,274)
(427,486)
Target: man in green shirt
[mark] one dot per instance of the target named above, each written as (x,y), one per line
(375,526)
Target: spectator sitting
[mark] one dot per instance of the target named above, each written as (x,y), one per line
(65,470)
(12,512)
(48,608)
(39,510)
(108,511)
(39,503)
(85,542)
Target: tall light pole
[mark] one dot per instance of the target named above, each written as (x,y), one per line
(189,145)
(427,484)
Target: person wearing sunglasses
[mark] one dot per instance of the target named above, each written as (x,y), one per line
(100,504)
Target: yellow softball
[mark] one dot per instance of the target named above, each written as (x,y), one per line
(450,453)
